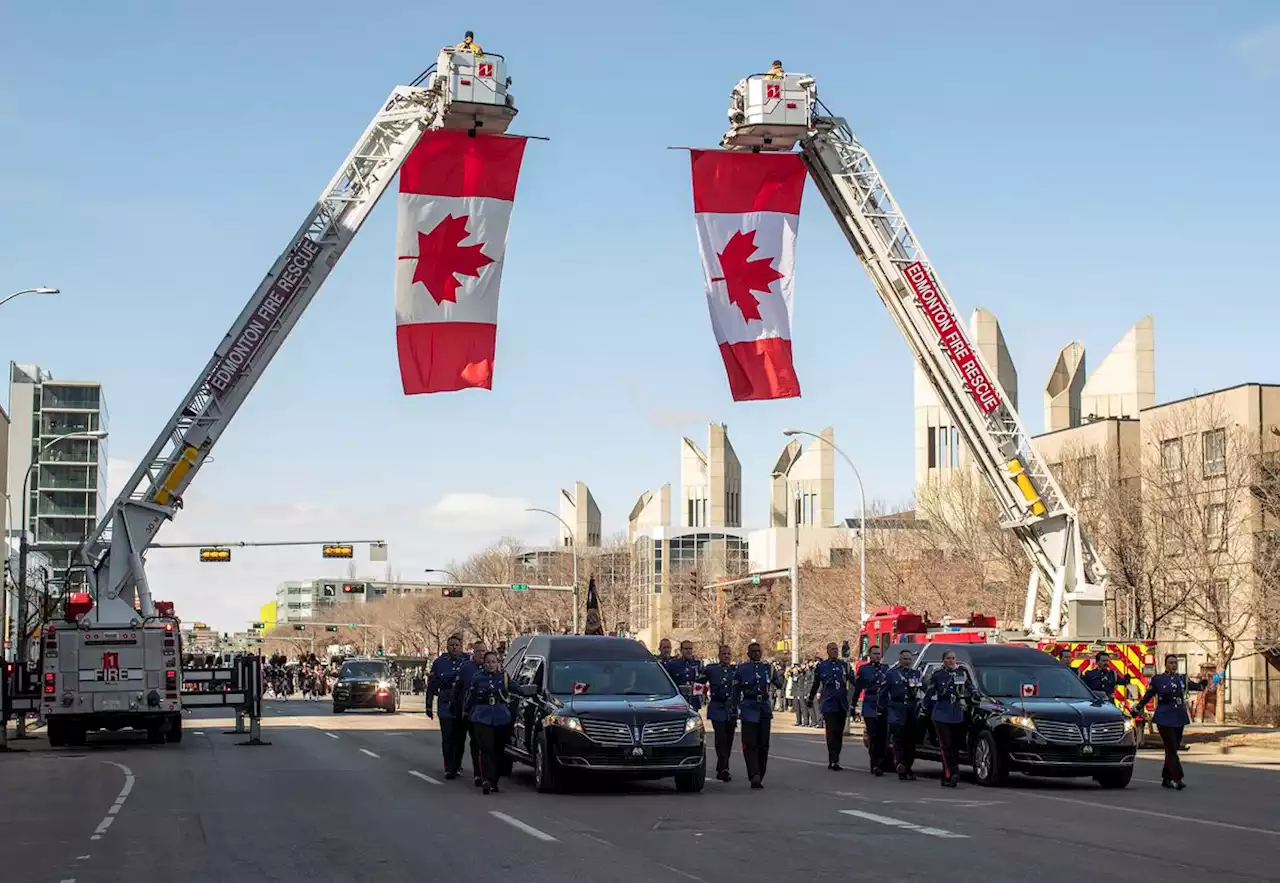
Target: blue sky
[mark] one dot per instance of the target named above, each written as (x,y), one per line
(1071,169)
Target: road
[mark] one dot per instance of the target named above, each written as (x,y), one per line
(360,797)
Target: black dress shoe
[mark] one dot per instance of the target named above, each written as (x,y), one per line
(451,775)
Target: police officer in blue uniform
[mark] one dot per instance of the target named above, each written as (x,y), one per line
(466,673)
(1170,690)
(867,682)
(488,708)
(832,677)
(1102,678)
(899,701)
(722,709)
(686,671)
(443,683)
(752,681)
(947,691)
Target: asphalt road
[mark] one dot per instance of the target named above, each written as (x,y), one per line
(360,797)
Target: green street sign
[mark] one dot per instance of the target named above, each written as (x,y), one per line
(755,579)
(519,587)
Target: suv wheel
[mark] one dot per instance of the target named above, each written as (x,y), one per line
(1114,778)
(546,773)
(990,766)
(692,782)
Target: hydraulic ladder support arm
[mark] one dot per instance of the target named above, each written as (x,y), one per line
(1032,503)
(113,552)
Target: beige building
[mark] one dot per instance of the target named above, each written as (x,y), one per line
(939,450)
(1196,482)
(710,483)
(578,509)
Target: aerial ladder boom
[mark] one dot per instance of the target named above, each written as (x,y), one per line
(461,91)
(775,114)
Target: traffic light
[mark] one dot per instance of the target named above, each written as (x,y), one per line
(353,588)
(338,551)
(259,625)
(214,554)
(450,592)
(379,653)
(299,628)
(331,628)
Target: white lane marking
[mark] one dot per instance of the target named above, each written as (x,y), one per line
(368,752)
(684,874)
(795,760)
(424,777)
(110,817)
(521,826)
(908,826)
(69,880)
(1158,815)
(331,735)
(197,732)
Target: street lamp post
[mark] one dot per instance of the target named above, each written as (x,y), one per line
(573,548)
(795,578)
(21,618)
(39,289)
(862,518)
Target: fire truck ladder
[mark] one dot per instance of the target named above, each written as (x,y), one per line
(113,553)
(1032,503)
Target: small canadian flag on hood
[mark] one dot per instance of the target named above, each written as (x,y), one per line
(579,688)
(1029,690)
(699,689)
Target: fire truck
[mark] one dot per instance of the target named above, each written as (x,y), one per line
(782,112)
(113,661)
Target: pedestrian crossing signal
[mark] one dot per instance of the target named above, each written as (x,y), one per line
(448,592)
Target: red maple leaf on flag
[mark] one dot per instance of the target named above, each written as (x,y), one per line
(441,259)
(742,276)
(579,688)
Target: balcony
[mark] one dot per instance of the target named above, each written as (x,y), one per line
(56,397)
(72,451)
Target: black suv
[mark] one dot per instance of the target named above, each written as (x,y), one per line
(365,683)
(600,706)
(1030,714)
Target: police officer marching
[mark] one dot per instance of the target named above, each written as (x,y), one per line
(832,677)
(685,671)
(466,674)
(443,683)
(488,708)
(722,709)
(1170,690)
(752,681)
(1102,678)
(867,682)
(899,701)
(947,690)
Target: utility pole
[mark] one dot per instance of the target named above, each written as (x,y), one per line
(795,580)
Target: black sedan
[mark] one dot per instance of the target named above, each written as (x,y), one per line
(365,683)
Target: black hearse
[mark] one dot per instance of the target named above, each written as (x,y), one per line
(599,706)
(1029,713)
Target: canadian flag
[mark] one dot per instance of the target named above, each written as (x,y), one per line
(747,207)
(1029,690)
(456,193)
(579,688)
(699,689)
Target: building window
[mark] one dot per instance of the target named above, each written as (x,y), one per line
(1215,526)
(955,446)
(1215,452)
(1088,476)
(1171,459)
(933,447)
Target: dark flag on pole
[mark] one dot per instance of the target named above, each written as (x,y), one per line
(594,626)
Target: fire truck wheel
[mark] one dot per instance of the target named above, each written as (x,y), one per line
(1114,778)
(56,732)
(76,734)
(155,733)
(173,733)
(990,766)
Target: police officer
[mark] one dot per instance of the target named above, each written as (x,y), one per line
(686,671)
(899,702)
(443,683)
(832,677)
(1102,678)
(467,673)
(722,709)
(488,708)
(1170,690)
(752,681)
(945,698)
(868,680)
(664,651)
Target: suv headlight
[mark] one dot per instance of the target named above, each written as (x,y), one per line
(694,724)
(568,721)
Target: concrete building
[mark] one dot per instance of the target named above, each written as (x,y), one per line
(66,492)
(802,484)
(710,483)
(1062,392)
(652,510)
(1205,474)
(937,439)
(1124,384)
(579,509)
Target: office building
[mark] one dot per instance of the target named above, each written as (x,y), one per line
(65,493)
